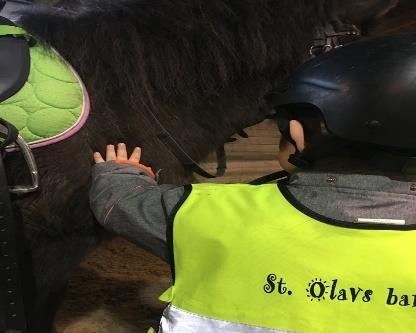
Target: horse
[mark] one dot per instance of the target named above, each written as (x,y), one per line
(199,68)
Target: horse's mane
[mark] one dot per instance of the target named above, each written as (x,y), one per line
(175,51)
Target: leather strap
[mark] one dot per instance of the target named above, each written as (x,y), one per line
(8,134)
(186,160)
(12,314)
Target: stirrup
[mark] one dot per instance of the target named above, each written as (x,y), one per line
(12,138)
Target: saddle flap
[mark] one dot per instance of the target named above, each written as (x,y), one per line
(14,64)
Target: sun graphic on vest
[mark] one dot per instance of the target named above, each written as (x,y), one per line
(317,289)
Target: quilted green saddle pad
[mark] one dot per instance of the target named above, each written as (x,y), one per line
(53,104)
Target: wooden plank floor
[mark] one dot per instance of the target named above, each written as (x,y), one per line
(248,158)
(400,19)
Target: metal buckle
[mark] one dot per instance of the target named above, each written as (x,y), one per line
(33,169)
(331,40)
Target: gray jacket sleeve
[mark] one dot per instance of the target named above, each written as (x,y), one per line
(128,202)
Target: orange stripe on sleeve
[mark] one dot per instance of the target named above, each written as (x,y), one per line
(138,165)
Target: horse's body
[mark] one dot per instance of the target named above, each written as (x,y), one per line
(199,66)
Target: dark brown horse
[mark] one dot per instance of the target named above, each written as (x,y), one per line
(200,67)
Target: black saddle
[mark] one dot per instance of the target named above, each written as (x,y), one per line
(14,63)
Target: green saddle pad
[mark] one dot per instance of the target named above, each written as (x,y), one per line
(53,103)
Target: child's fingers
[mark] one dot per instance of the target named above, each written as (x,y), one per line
(98,158)
(136,154)
(121,151)
(110,153)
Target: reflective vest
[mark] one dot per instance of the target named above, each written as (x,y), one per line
(245,259)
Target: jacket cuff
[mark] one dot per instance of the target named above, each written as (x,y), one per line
(143,167)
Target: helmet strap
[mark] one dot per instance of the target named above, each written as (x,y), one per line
(326,147)
(298,160)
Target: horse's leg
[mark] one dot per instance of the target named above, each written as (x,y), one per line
(58,237)
(53,280)
(54,257)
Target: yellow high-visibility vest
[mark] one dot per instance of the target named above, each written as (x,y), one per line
(246,260)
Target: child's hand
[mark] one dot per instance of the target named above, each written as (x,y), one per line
(120,157)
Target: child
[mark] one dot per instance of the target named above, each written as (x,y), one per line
(327,250)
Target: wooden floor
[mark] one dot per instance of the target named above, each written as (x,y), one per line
(248,158)
(400,19)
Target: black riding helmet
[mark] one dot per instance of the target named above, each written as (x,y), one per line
(364,93)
